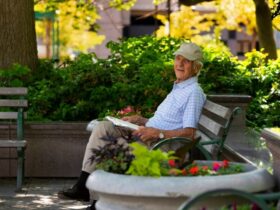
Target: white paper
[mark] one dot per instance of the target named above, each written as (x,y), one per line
(122,123)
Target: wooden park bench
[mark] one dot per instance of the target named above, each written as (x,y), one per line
(213,127)
(12,104)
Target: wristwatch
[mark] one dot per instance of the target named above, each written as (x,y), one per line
(161,135)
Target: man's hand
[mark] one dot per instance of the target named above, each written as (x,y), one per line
(136,119)
(147,134)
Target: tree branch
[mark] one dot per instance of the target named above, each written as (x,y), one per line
(192,2)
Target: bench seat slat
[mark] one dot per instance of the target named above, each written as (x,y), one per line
(13,103)
(20,91)
(12,143)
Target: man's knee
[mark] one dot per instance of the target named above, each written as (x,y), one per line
(105,129)
(104,125)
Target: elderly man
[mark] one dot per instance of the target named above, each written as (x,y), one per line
(176,116)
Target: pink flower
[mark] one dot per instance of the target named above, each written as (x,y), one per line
(216,166)
(255,207)
(126,110)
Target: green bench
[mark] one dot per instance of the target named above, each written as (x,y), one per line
(213,127)
(12,104)
(261,200)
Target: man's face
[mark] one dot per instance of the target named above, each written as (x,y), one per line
(183,68)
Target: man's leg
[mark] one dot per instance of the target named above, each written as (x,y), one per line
(103,130)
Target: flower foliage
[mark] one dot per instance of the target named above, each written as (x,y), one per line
(217,168)
(195,169)
(136,159)
(149,162)
(112,157)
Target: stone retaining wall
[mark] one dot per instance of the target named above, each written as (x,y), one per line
(53,150)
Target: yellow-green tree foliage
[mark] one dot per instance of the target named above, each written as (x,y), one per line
(222,14)
(76,18)
(219,15)
(75,21)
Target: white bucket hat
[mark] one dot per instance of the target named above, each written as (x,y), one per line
(190,51)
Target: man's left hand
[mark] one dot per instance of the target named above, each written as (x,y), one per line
(147,134)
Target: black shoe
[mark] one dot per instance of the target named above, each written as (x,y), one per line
(78,191)
(75,193)
(92,206)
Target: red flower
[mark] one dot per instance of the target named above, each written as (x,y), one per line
(172,163)
(184,171)
(225,164)
(216,166)
(194,170)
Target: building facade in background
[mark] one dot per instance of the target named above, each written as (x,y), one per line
(139,21)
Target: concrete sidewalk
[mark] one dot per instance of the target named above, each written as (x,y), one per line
(37,194)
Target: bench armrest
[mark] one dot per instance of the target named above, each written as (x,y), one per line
(183,140)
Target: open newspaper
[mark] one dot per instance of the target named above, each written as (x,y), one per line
(122,123)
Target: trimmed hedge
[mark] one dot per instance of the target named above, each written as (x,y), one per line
(139,72)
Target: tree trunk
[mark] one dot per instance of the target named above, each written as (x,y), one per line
(17,33)
(264,27)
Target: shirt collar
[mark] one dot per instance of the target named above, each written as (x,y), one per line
(186,83)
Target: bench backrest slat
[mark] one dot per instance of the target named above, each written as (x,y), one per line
(213,119)
(217,109)
(13,91)
(13,103)
(210,127)
(10,115)
(213,127)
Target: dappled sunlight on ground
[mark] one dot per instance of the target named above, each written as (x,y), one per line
(38,194)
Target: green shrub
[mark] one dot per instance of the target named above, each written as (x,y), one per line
(139,73)
(264,110)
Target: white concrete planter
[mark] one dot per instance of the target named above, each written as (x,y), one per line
(272,138)
(124,192)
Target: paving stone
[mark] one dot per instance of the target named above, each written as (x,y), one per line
(38,194)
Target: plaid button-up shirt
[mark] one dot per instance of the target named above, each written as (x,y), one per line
(181,108)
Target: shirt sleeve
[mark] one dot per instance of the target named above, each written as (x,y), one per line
(193,109)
